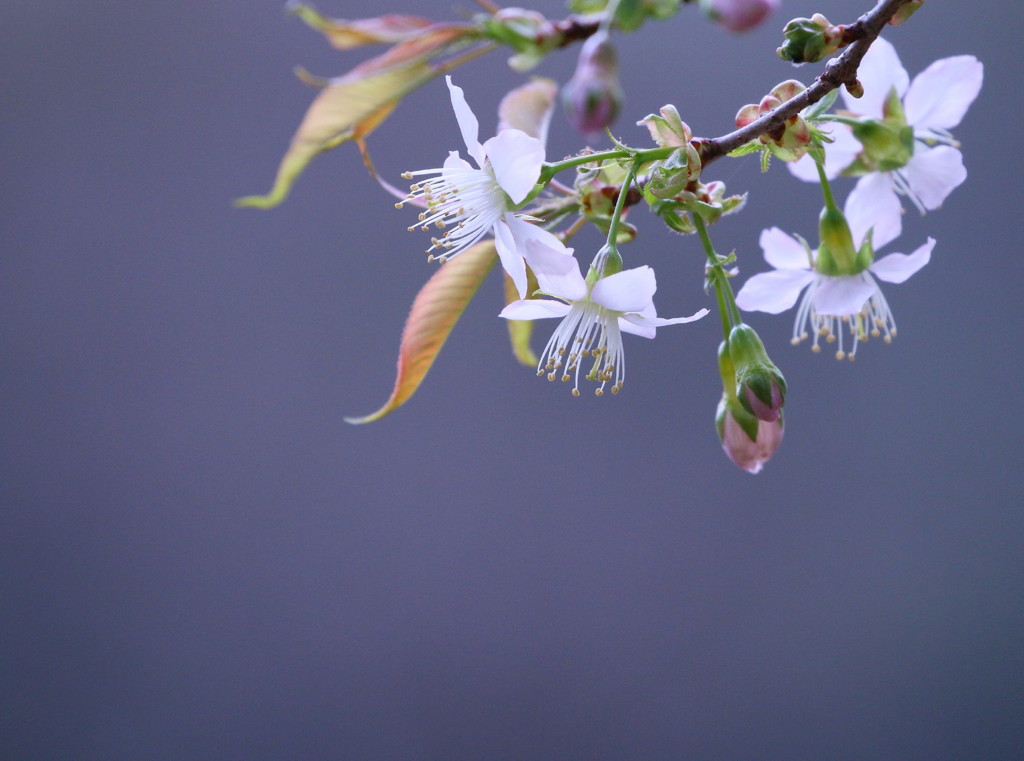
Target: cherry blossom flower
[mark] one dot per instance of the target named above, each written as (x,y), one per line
(832,301)
(922,163)
(470,202)
(594,311)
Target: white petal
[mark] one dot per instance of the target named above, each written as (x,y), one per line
(468,124)
(627,291)
(839,154)
(845,295)
(933,173)
(534,309)
(455,161)
(511,258)
(782,251)
(873,203)
(895,268)
(557,270)
(774,291)
(644,331)
(640,321)
(940,95)
(516,159)
(879,72)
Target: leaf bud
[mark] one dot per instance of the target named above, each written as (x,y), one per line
(810,39)
(794,139)
(668,129)
(738,15)
(593,97)
(906,12)
(760,386)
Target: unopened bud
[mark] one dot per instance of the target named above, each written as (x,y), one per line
(738,15)
(747,441)
(810,39)
(760,386)
(593,96)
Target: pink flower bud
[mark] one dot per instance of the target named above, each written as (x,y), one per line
(593,96)
(738,15)
(749,454)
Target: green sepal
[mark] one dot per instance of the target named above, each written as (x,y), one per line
(823,105)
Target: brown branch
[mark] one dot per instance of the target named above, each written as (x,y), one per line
(838,72)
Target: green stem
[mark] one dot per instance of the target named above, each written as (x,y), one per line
(727,309)
(620,205)
(826,189)
(640,157)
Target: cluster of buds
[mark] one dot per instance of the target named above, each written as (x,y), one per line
(793,140)
(738,15)
(593,97)
(810,39)
(749,417)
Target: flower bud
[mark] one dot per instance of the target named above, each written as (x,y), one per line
(738,15)
(747,441)
(593,96)
(760,386)
(810,39)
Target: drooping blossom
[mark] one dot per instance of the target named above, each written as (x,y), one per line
(833,305)
(469,202)
(905,146)
(595,312)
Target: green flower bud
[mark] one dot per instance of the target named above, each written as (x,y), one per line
(760,386)
(810,39)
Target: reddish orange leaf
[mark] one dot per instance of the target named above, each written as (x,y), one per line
(435,310)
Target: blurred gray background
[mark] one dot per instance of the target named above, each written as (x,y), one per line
(200,560)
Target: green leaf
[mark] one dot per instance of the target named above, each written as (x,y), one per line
(822,105)
(435,310)
(751,147)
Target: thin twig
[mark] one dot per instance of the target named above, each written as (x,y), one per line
(838,72)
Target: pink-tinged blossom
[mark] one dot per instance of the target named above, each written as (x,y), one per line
(933,103)
(594,316)
(831,302)
(469,202)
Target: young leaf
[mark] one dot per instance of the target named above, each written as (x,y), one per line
(529,107)
(435,310)
(344,35)
(354,105)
